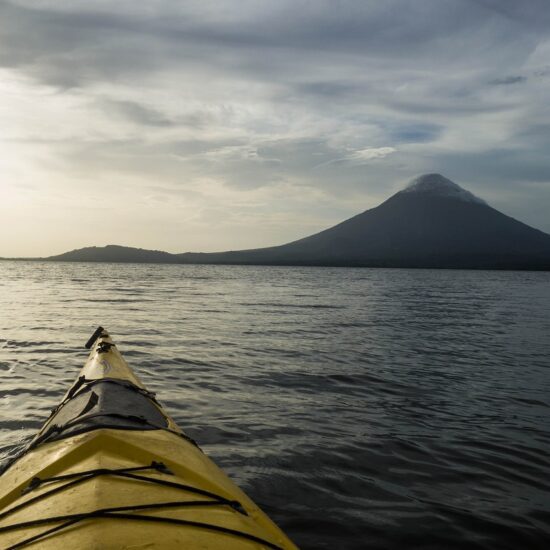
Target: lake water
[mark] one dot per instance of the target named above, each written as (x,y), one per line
(361,408)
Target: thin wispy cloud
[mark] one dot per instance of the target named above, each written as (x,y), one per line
(371,153)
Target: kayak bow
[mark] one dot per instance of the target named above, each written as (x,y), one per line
(110,469)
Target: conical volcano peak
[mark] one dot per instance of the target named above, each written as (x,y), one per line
(440,186)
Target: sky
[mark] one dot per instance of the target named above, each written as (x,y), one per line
(203,126)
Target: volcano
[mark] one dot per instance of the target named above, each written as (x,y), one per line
(432,223)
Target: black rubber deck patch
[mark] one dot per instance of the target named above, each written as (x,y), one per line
(105,404)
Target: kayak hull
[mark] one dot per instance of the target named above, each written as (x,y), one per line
(125,487)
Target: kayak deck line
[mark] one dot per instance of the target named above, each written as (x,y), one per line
(80,477)
(107,514)
(119,472)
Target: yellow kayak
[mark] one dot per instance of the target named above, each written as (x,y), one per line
(110,469)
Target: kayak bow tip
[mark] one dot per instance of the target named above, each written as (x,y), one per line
(99,331)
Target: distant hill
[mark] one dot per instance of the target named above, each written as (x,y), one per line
(432,223)
(115,253)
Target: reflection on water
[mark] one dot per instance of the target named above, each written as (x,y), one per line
(361,408)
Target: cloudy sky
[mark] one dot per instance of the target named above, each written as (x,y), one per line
(196,125)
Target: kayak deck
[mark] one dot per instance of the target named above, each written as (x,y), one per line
(110,469)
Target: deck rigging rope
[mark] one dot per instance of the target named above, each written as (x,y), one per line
(118,512)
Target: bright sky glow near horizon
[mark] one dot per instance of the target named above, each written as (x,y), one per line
(203,126)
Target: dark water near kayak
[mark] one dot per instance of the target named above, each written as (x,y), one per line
(360,408)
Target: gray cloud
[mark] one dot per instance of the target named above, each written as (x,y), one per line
(65,44)
(533,15)
(415,132)
(135,112)
(508,80)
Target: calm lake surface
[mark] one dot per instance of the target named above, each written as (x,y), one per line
(361,408)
